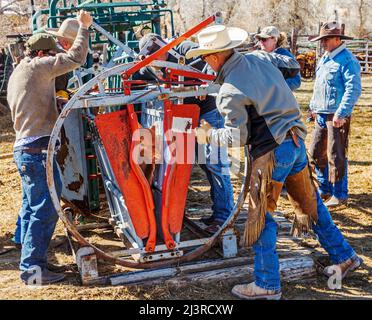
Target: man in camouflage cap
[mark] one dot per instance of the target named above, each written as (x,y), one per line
(31,98)
(41,41)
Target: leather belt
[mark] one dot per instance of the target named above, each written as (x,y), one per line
(33,150)
(292,134)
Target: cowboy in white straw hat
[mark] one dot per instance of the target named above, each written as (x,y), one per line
(261,111)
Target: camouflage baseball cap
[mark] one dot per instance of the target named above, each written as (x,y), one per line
(268,32)
(41,41)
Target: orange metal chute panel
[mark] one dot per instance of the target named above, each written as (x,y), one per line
(116,136)
(180,175)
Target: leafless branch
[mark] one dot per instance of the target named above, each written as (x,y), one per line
(8,7)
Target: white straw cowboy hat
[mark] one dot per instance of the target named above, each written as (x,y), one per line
(68,29)
(217,38)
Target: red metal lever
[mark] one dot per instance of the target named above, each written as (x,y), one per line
(138,66)
(190,74)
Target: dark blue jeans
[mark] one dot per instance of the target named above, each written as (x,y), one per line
(38,216)
(290,160)
(214,162)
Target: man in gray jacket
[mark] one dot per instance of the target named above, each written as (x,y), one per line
(261,111)
(31,97)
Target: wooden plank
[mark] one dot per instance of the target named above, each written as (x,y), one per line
(287,247)
(291,269)
(237,269)
(148,275)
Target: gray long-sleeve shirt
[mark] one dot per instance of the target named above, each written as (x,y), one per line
(258,106)
(31,88)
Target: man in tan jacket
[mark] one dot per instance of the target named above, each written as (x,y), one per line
(31,98)
(65,35)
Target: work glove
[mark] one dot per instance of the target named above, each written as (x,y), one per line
(203,132)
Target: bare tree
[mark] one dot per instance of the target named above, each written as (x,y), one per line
(362,18)
(13,6)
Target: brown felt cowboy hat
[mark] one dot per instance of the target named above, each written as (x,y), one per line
(68,29)
(329,30)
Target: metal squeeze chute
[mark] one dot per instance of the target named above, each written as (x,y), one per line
(116,133)
(164,216)
(146,201)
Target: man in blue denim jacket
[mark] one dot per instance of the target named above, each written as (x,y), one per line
(336,91)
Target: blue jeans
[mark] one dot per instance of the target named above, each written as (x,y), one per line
(38,216)
(18,230)
(340,188)
(214,162)
(290,160)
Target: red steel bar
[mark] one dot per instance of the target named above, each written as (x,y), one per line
(138,66)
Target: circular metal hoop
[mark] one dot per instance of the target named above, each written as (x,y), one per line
(77,102)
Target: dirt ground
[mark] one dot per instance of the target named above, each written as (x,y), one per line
(355,221)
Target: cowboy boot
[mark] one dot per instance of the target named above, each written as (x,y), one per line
(253,292)
(334,202)
(345,267)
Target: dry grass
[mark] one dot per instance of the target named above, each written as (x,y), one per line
(355,221)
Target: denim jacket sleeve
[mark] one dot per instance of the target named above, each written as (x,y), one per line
(288,65)
(353,88)
(293,82)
